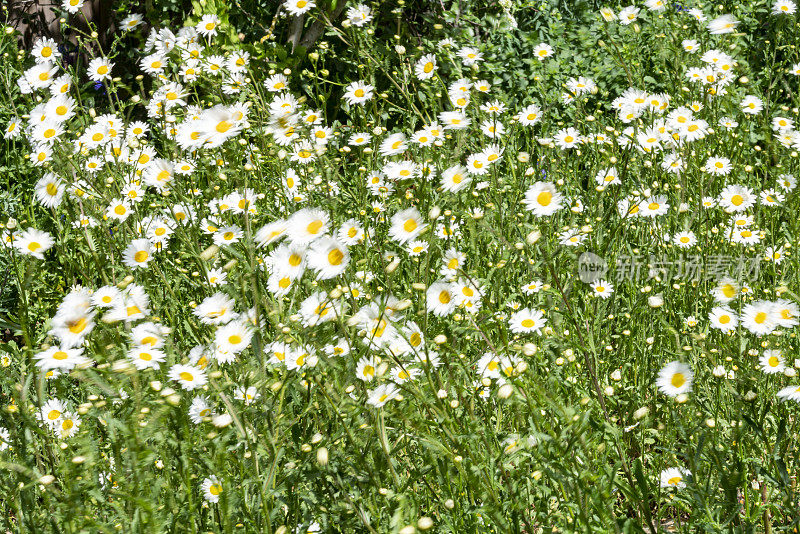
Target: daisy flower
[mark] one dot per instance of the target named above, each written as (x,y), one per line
(718,166)
(723,318)
(786,313)
(358,139)
(684,239)
(543,51)
(675,378)
(542,199)
(188,376)
(455,179)
(602,289)
(358,93)
(751,105)
(406,225)
(328,257)
(33,242)
(49,190)
(736,198)
(208,25)
(784,7)
(425,67)
(790,393)
(270,233)
(722,24)
(233,337)
(131,21)
(772,362)
(382,394)
(248,395)
(146,357)
(211,488)
(138,253)
(307,225)
(674,477)
(526,321)
(60,358)
(529,115)
(44,50)
(359,15)
(298,7)
(440,299)
(627,15)
(759,317)
(51,412)
(99,69)
(72,6)
(470,55)
(68,425)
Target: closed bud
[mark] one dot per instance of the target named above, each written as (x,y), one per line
(505,391)
(209,253)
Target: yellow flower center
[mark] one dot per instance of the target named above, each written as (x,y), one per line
(314,227)
(544,198)
(678,380)
(76,327)
(335,257)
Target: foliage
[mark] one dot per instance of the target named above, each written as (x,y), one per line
(250,320)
